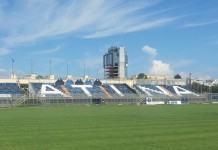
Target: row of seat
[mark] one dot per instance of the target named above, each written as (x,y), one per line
(115,90)
(94,90)
(9,88)
(78,82)
(169,90)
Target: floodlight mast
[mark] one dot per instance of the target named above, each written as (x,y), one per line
(12,67)
(67,66)
(50,67)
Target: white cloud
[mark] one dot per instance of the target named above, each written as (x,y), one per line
(157,67)
(4,51)
(151,51)
(160,68)
(129,26)
(189,25)
(87,18)
(49,51)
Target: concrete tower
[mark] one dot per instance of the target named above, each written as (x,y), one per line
(115,63)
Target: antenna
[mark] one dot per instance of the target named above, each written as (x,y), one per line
(190,80)
(12,67)
(97,72)
(31,66)
(84,68)
(50,67)
(88,72)
(67,66)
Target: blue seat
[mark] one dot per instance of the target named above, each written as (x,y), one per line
(9,88)
(69,82)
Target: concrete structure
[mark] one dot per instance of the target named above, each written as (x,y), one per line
(115,63)
(33,76)
(69,77)
(156,77)
(51,77)
(13,76)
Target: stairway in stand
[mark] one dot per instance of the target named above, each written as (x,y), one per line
(66,91)
(106,92)
(20,101)
(167,91)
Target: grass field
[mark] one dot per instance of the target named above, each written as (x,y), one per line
(170,127)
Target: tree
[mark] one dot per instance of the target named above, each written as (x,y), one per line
(40,77)
(177,76)
(214,89)
(199,88)
(140,76)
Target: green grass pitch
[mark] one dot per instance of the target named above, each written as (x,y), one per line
(126,127)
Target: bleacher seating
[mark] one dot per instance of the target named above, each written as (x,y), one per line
(58,87)
(124,88)
(48,89)
(188,88)
(88,82)
(36,87)
(165,90)
(152,87)
(138,89)
(76,92)
(96,92)
(9,88)
(89,89)
(59,82)
(185,87)
(86,89)
(79,82)
(69,82)
(169,88)
(97,82)
(92,92)
(110,90)
(151,92)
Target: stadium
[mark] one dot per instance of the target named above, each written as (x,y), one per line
(116,112)
(115,88)
(108,75)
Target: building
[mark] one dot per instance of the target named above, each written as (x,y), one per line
(115,63)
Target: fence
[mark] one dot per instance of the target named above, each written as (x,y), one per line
(54,100)
(37,100)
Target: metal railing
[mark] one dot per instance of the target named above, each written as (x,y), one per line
(53,100)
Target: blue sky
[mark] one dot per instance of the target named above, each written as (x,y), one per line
(162,37)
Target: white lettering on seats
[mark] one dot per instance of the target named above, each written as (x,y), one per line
(52,90)
(84,88)
(179,91)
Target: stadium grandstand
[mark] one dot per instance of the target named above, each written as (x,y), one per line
(34,92)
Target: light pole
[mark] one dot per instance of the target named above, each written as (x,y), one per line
(31,66)
(50,67)
(190,79)
(210,93)
(12,67)
(84,68)
(67,67)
